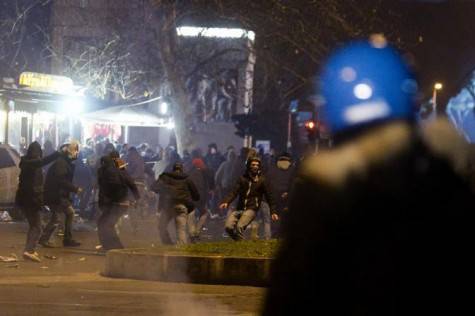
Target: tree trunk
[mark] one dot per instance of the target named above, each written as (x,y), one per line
(167,44)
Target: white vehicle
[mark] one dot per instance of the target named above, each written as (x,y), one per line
(9,172)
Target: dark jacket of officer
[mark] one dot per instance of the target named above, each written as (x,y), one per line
(379,226)
(30,187)
(59,180)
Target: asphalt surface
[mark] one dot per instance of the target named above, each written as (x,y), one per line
(71,283)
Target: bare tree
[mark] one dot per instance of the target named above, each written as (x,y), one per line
(20,35)
(293,38)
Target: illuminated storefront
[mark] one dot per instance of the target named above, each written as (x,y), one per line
(45,108)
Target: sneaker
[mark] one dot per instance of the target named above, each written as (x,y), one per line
(71,243)
(33,256)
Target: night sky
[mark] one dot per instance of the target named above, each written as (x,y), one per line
(447,50)
(446,28)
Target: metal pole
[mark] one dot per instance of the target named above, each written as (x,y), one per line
(289,131)
(434,101)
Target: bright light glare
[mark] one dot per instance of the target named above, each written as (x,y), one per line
(438,86)
(163,108)
(362,91)
(366,112)
(170,125)
(192,31)
(73,106)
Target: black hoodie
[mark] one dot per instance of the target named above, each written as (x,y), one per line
(176,188)
(114,183)
(250,190)
(30,187)
(59,181)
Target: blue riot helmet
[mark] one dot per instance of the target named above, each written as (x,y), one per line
(366,82)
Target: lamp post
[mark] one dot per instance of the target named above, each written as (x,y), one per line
(437,86)
(292,109)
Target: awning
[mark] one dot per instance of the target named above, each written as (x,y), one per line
(126,116)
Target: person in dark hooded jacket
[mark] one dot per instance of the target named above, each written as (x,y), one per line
(282,174)
(58,189)
(250,189)
(114,183)
(176,196)
(29,196)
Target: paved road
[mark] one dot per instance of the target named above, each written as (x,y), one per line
(72,285)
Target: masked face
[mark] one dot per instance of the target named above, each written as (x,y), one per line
(73,151)
(283,164)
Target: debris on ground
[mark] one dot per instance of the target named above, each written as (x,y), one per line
(5,216)
(82,259)
(44,267)
(99,247)
(11,258)
(50,257)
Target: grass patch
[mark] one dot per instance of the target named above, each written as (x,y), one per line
(247,248)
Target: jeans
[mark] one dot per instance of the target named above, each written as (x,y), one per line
(106,229)
(68,210)
(179,213)
(195,225)
(265,217)
(34,228)
(237,222)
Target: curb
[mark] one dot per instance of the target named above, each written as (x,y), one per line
(141,264)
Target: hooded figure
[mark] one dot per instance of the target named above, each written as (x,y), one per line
(29,195)
(114,185)
(58,189)
(177,194)
(30,188)
(250,189)
(282,174)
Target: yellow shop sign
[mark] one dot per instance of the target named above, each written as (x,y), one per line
(45,82)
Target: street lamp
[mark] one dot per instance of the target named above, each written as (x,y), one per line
(437,86)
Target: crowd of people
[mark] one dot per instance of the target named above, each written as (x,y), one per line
(103,181)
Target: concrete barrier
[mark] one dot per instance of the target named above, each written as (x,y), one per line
(143,264)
